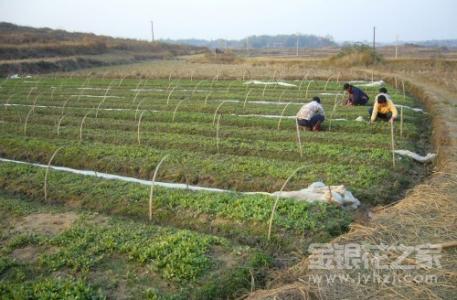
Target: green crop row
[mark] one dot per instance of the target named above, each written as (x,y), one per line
(280,150)
(162,91)
(376,137)
(250,149)
(180,106)
(242,173)
(237,216)
(18,114)
(197,90)
(216,84)
(179,263)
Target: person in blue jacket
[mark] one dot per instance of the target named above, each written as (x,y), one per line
(355,95)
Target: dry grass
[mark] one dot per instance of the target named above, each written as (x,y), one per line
(227,57)
(32,50)
(184,69)
(427,215)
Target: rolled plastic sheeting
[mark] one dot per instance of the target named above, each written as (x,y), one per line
(269,83)
(415,156)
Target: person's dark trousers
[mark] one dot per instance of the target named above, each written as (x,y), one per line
(385,117)
(360,101)
(310,123)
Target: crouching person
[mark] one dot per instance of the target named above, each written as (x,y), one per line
(355,95)
(311,115)
(383,109)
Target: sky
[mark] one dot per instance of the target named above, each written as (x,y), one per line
(344,20)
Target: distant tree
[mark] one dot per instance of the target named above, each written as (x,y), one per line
(264,41)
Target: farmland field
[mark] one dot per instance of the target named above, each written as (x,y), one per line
(222,134)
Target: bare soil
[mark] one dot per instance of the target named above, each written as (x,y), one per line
(46,223)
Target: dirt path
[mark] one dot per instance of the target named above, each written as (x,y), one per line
(428,214)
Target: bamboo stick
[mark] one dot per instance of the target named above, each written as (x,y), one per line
(217,132)
(206,98)
(64,104)
(152,185)
(139,126)
(58,125)
(136,96)
(169,95)
(246,98)
(53,89)
(326,83)
(333,112)
(26,120)
(81,126)
(273,210)
(8,101)
(138,107)
(392,143)
(217,109)
(280,96)
(307,87)
(228,88)
(30,92)
(45,187)
(195,88)
(215,78)
(176,109)
(282,114)
(102,101)
(264,89)
(299,139)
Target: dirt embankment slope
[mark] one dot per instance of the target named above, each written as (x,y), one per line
(28,50)
(428,214)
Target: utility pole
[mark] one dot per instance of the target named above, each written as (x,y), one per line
(396,47)
(152,30)
(297,42)
(374,40)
